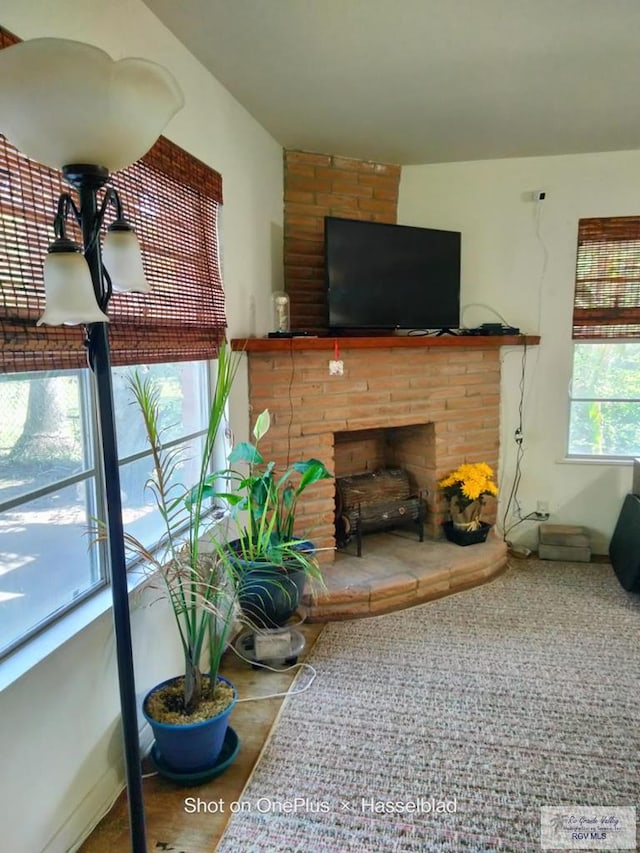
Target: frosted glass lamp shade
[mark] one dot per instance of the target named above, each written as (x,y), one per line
(70,298)
(122,259)
(64,102)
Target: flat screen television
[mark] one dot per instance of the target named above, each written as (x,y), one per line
(382,276)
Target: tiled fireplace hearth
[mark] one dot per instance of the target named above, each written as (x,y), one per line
(446,390)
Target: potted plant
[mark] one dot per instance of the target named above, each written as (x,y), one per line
(188,713)
(271,564)
(465,489)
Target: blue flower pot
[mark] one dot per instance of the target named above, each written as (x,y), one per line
(193,747)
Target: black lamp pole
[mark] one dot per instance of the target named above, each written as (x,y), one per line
(88,180)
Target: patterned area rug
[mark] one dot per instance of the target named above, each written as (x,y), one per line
(446,727)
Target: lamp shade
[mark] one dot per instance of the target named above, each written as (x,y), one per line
(64,102)
(122,259)
(70,298)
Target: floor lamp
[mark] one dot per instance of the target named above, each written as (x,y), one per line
(69,106)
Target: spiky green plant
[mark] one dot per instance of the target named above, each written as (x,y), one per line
(201,593)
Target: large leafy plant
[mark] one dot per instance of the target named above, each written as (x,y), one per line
(200,592)
(263,503)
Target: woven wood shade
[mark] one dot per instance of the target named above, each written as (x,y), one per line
(172,200)
(607,293)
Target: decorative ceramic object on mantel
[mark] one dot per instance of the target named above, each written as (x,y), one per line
(465,490)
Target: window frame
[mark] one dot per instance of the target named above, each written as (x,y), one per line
(94,477)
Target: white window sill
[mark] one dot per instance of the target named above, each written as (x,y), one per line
(38,648)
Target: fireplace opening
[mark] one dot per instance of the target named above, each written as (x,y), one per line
(403,460)
(368,503)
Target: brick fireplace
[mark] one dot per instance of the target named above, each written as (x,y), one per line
(439,398)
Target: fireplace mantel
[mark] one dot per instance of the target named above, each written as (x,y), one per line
(307,342)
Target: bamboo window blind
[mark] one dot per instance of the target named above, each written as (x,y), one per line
(172,200)
(607,291)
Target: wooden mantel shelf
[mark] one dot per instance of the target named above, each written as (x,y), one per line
(382,342)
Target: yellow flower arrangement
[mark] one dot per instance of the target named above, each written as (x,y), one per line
(469,483)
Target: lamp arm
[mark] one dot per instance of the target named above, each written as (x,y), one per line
(98,219)
(110,197)
(107,288)
(66,204)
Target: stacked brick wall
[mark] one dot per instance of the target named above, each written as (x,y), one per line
(454,390)
(360,452)
(319,185)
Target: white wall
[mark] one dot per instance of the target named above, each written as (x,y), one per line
(518,257)
(60,736)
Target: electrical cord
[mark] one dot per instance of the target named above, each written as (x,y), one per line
(289,692)
(313,674)
(519,433)
(519,440)
(531,516)
(483,305)
(435,332)
(290,386)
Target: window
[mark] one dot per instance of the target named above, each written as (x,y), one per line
(51,483)
(605,400)
(605,390)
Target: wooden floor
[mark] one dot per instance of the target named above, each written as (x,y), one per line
(169,826)
(394,572)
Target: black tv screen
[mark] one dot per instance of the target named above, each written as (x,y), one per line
(382,276)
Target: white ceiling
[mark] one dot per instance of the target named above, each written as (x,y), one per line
(425,81)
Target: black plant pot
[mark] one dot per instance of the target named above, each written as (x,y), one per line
(466,537)
(269,595)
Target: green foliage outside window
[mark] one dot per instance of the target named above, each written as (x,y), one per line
(605,404)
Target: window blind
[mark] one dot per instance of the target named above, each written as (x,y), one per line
(172,200)
(607,291)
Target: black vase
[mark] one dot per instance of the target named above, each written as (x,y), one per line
(466,537)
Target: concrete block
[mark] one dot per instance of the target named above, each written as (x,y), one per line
(566,535)
(573,554)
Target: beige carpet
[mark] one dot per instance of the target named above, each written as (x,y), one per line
(493,702)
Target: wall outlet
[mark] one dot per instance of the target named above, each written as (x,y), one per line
(542,508)
(336,367)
